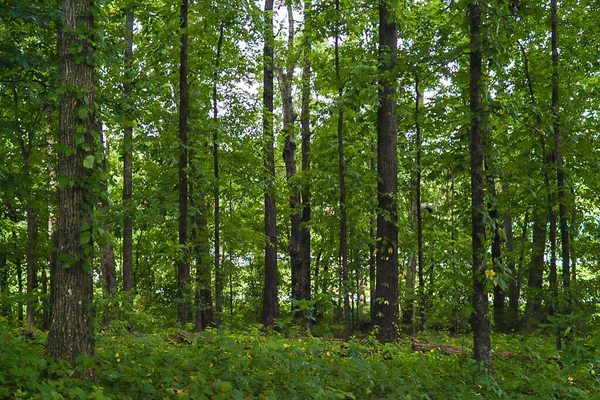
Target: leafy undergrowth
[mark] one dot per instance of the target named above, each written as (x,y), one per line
(255,365)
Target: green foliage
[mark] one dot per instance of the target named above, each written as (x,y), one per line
(255,364)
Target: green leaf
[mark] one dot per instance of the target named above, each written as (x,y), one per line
(88,162)
(85,237)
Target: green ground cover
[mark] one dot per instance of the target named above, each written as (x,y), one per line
(256,365)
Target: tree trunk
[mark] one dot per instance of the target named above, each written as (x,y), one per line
(560,170)
(499,295)
(53,256)
(386,295)
(72,322)
(200,243)
(19,268)
(372,248)
(345,289)
(289,156)
(5,309)
(107,251)
(32,229)
(183,264)
(419,210)
(218,270)
(481,320)
(270,309)
(512,321)
(305,292)
(128,157)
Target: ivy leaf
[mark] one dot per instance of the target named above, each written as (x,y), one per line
(88,162)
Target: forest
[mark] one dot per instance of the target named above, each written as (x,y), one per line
(279,199)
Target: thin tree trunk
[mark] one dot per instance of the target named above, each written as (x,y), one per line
(270,309)
(107,251)
(372,248)
(289,156)
(481,321)
(128,157)
(560,174)
(203,316)
(386,297)
(72,322)
(19,268)
(419,215)
(513,282)
(218,270)
(52,236)
(183,265)
(535,283)
(499,295)
(305,289)
(5,309)
(32,229)
(342,170)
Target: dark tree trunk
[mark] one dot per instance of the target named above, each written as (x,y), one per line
(19,268)
(512,321)
(183,264)
(107,251)
(481,320)
(218,270)
(72,322)
(32,230)
(53,256)
(345,289)
(372,248)
(560,170)
(499,295)
(200,242)
(534,302)
(289,156)
(5,310)
(128,157)
(305,292)
(419,210)
(270,309)
(386,294)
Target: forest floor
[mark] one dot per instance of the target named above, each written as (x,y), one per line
(256,365)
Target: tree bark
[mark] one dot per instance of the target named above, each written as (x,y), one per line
(512,321)
(218,269)
(386,296)
(499,295)
(270,309)
(560,170)
(107,251)
(481,321)
(72,322)
(289,156)
(305,292)
(345,289)
(183,265)
(128,156)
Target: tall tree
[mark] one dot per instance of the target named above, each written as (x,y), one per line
(270,309)
(72,322)
(306,138)
(183,264)
(286,78)
(386,292)
(560,171)
(218,270)
(481,321)
(107,251)
(342,175)
(128,155)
